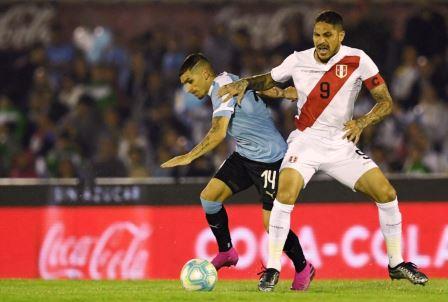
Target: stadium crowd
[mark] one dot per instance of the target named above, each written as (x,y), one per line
(120,111)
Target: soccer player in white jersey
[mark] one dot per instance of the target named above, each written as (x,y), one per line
(328,78)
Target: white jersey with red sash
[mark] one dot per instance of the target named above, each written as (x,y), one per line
(326,97)
(327,92)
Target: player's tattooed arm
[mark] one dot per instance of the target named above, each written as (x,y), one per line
(215,135)
(289,93)
(238,88)
(382,108)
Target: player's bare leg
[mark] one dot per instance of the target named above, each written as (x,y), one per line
(375,184)
(289,186)
(304,270)
(212,198)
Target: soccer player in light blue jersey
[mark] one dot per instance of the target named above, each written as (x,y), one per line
(260,149)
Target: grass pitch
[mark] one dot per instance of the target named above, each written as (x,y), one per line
(171,290)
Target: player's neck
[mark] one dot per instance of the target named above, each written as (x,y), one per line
(210,81)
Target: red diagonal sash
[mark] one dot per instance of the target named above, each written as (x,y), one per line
(325,90)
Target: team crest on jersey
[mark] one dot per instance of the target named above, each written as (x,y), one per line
(341,70)
(292,159)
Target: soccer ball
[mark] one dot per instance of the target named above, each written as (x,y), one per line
(198,275)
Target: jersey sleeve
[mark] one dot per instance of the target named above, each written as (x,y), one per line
(370,75)
(283,72)
(222,109)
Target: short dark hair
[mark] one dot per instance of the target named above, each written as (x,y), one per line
(330,17)
(190,61)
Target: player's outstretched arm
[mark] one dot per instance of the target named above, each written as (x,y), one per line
(289,93)
(238,88)
(215,135)
(382,108)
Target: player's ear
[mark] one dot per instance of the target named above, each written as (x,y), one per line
(341,36)
(206,74)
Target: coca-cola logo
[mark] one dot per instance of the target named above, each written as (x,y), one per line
(119,252)
(24,25)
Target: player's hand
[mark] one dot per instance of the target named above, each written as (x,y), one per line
(180,160)
(237,89)
(353,130)
(290,93)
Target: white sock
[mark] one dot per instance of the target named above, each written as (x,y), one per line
(279,224)
(390,222)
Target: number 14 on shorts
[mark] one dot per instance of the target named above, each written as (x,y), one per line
(269,177)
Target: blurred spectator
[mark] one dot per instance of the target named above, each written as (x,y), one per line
(115,98)
(367,29)
(379,156)
(111,123)
(295,40)
(101,86)
(137,74)
(12,118)
(405,78)
(66,169)
(172,60)
(24,72)
(80,70)
(426,31)
(153,45)
(70,91)
(23,165)
(43,137)
(218,48)
(193,112)
(137,167)
(83,125)
(65,155)
(60,52)
(432,115)
(9,146)
(241,39)
(156,91)
(106,162)
(414,162)
(130,139)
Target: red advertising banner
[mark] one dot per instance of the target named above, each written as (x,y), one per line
(341,240)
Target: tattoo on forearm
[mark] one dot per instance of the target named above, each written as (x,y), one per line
(382,108)
(210,141)
(274,92)
(261,82)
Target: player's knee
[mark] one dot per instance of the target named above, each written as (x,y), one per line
(211,207)
(286,196)
(211,193)
(208,194)
(386,193)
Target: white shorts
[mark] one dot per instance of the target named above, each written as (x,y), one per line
(339,158)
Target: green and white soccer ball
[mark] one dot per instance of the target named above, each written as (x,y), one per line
(198,275)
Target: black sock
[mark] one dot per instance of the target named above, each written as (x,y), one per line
(219,224)
(294,251)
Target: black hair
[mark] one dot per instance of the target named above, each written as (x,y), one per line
(330,17)
(191,61)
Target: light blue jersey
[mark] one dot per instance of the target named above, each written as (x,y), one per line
(250,123)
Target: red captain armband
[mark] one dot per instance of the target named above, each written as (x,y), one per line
(374,81)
